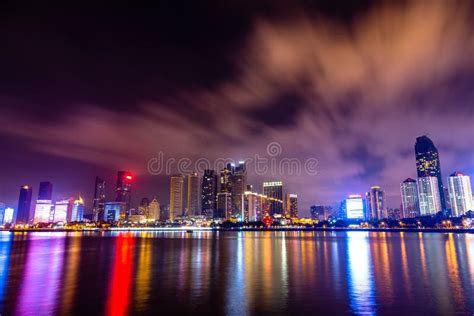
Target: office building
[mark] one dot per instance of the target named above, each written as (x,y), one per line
(209,193)
(24,205)
(77,212)
(238,187)
(192,205)
(274,191)
(176,196)
(320,212)
(409,193)
(113,211)
(44,208)
(375,203)
(154,212)
(99,199)
(62,211)
(428,195)
(354,207)
(123,190)
(2,213)
(460,193)
(224,205)
(428,164)
(9,215)
(291,205)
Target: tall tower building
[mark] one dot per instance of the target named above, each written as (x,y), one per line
(176,196)
(154,213)
(409,192)
(77,213)
(291,205)
(428,165)
(193,195)
(209,193)
(224,205)
(239,185)
(460,193)
(375,200)
(274,191)
(44,209)
(225,181)
(99,199)
(123,189)
(24,205)
(428,195)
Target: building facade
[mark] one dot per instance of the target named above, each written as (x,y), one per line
(409,193)
(24,205)
(375,200)
(176,196)
(192,205)
(274,190)
(428,164)
(209,193)
(460,193)
(428,195)
(291,205)
(98,202)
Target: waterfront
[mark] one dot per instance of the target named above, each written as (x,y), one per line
(236,273)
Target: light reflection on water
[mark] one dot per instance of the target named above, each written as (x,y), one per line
(236,273)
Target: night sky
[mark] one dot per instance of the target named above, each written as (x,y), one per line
(90,89)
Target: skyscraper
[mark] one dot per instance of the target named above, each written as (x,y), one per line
(410,206)
(239,185)
(209,193)
(124,189)
(24,205)
(44,209)
(354,207)
(428,165)
(62,211)
(154,213)
(460,193)
(99,199)
(192,204)
(224,205)
(2,213)
(225,181)
(77,212)
(428,195)
(274,190)
(375,200)
(291,205)
(176,196)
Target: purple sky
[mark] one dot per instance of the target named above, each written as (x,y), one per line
(349,86)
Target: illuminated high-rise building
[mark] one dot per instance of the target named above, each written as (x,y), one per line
(291,205)
(123,189)
(77,211)
(375,200)
(192,205)
(99,199)
(409,192)
(62,210)
(239,185)
(154,212)
(24,205)
(224,205)
(320,212)
(2,213)
(428,165)
(209,193)
(44,208)
(274,190)
(428,195)
(8,217)
(225,181)
(176,196)
(460,193)
(354,207)
(113,211)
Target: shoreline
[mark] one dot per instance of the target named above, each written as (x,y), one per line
(208,229)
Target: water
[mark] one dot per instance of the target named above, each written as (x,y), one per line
(247,273)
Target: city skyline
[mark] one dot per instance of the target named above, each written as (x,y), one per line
(232,90)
